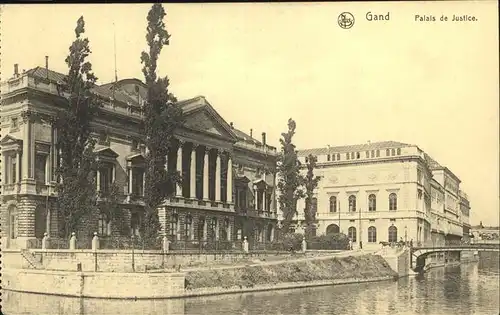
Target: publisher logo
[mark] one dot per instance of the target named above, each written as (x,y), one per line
(346,20)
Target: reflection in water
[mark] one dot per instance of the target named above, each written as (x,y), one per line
(466,289)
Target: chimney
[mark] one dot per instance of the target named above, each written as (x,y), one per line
(251,133)
(47,66)
(264,138)
(231,124)
(16,70)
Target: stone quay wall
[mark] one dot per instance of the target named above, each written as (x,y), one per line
(125,260)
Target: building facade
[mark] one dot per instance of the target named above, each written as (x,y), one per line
(384,192)
(227,191)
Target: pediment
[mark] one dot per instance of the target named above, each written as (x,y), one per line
(206,120)
(106,152)
(9,140)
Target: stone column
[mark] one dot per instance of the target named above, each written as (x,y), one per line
(205,226)
(26,149)
(192,170)
(130,180)
(18,165)
(217,176)
(98,179)
(255,197)
(229,180)
(205,174)
(178,191)
(264,200)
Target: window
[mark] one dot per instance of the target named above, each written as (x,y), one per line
(135,145)
(393,201)
(352,203)
(399,151)
(138,181)
(105,178)
(201,228)
(307,159)
(104,225)
(393,152)
(373,153)
(135,223)
(189,226)
(372,234)
(351,233)
(338,157)
(213,228)
(358,155)
(333,204)
(352,155)
(393,234)
(40,168)
(378,153)
(11,176)
(387,152)
(372,202)
(347,156)
(333,157)
(174,224)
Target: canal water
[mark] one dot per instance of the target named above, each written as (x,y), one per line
(467,289)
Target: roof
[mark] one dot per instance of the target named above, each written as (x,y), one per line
(105,90)
(245,137)
(353,148)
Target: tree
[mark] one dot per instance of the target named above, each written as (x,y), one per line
(77,163)
(161,118)
(310,183)
(289,178)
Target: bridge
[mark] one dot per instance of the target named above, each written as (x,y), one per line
(419,254)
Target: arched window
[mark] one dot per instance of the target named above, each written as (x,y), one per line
(393,152)
(333,204)
(378,153)
(332,229)
(372,234)
(393,234)
(393,201)
(338,157)
(352,155)
(347,156)
(352,203)
(372,202)
(387,152)
(399,151)
(351,233)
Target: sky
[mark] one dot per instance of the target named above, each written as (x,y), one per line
(433,84)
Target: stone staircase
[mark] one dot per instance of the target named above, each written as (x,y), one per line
(31,259)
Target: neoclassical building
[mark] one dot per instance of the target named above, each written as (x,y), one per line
(385,191)
(228,188)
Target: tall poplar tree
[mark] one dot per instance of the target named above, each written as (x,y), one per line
(289,179)
(161,118)
(77,164)
(310,183)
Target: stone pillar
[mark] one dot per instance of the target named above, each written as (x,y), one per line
(245,245)
(217,229)
(272,234)
(205,226)
(98,179)
(72,241)
(264,200)
(205,174)
(26,168)
(192,179)
(229,180)
(95,242)
(304,244)
(18,165)
(178,191)
(217,176)
(255,197)
(130,181)
(47,228)
(166,244)
(45,241)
